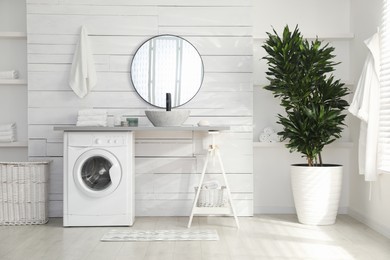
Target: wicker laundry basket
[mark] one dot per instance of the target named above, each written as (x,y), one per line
(24,193)
(212,197)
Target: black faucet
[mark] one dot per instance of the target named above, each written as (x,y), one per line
(168,106)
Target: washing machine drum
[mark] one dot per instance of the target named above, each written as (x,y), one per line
(97,173)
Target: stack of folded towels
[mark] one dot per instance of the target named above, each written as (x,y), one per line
(92,117)
(269,136)
(7,133)
(9,74)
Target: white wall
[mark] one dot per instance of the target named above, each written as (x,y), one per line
(222,32)
(330,21)
(375,213)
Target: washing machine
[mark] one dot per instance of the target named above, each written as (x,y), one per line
(98,178)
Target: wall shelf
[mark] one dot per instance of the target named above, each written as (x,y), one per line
(263,84)
(13,35)
(15,144)
(282,145)
(13,82)
(333,36)
(271,145)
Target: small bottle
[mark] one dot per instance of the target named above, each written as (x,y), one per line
(124,121)
(117,120)
(110,120)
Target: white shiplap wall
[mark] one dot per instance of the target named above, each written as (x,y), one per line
(166,163)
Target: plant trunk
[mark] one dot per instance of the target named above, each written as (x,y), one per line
(310,161)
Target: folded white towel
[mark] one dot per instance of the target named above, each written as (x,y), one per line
(7,133)
(92,112)
(82,73)
(212,184)
(92,118)
(7,127)
(7,139)
(91,123)
(9,74)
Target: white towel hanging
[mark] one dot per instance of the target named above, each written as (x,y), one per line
(365,105)
(82,73)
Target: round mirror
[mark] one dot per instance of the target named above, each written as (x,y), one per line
(167,64)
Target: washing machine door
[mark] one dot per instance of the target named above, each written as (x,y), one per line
(97,173)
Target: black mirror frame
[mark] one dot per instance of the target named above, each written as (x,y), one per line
(162,35)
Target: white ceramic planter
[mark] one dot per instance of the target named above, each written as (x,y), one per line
(316,192)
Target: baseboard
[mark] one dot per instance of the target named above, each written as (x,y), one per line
(343,210)
(274,210)
(370,223)
(287,210)
(58,212)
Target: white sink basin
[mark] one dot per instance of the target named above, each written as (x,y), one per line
(161,118)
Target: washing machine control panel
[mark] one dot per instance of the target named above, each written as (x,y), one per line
(103,139)
(109,141)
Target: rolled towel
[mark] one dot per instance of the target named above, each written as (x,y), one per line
(265,138)
(275,137)
(7,127)
(92,112)
(212,184)
(91,123)
(9,74)
(268,130)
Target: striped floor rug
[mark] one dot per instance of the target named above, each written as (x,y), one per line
(159,235)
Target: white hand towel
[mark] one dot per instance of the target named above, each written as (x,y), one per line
(9,74)
(82,73)
(92,112)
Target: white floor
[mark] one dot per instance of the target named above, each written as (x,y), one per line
(260,237)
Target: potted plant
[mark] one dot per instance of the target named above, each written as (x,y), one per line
(300,75)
